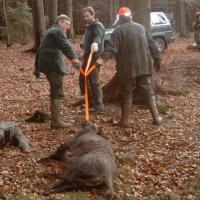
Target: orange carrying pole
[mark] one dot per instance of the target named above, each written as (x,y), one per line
(86,73)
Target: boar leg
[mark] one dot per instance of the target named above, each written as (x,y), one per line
(109,187)
(62,186)
(59,154)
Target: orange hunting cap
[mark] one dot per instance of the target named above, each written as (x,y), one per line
(124,11)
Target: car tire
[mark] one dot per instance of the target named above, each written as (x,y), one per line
(160,44)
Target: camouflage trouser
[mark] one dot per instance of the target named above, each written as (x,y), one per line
(56,82)
(143,85)
(93,82)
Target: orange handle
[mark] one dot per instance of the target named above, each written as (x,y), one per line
(86,73)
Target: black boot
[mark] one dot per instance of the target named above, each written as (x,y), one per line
(125,115)
(152,105)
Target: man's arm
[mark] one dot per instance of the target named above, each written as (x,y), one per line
(155,54)
(111,49)
(65,46)
(98,34)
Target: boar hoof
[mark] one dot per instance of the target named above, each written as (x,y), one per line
(108,194)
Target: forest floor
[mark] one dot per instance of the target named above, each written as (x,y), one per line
(154,162)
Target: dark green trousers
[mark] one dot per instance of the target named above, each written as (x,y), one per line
(143,84)
(95,88)
(56,82)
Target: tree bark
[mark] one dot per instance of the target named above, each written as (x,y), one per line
(115,6)
(41,18)
(5,10)
(112,12)
(68,7)
(88,2)
(53,11)
(141,10)
(39,25)
(182,18)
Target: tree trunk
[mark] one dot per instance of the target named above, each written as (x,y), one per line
(88,2)
(35,26)
(112,2)
(141,10)
(68,7)
(165,5)
(115,6)
(53,11)
(39,25)
(41,18)
(182,18)
(5,10)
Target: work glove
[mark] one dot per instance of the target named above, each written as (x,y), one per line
(94,47)
(76,63)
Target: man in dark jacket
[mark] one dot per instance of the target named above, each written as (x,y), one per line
(50,61)
(133,49)
(93,41)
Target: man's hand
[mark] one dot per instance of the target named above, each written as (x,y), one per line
(99,62)
(76,63)
(94,47)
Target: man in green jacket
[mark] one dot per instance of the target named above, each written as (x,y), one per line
(50,61)
(133,49)
(93,41)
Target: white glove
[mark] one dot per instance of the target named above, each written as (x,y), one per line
(94,47)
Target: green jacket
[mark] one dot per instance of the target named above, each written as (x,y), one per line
(133,49)
(94,33)
(53,48)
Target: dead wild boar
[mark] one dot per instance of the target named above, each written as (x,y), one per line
(91,162)
(9,133)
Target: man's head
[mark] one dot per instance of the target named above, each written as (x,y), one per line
(124,14)
(88,14)
(63,21)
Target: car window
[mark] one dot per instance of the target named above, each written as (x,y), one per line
(158,18)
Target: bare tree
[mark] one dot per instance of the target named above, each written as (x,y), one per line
(142,9)
(53,11)
(88,2)
(39,25)
(182,12)
(5,9)
(68,7)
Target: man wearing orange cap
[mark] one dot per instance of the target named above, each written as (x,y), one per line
(133,49)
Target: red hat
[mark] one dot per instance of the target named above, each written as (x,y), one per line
(124,11)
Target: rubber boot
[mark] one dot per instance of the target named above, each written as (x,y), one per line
(125,115)
(152,105)
(55,115)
